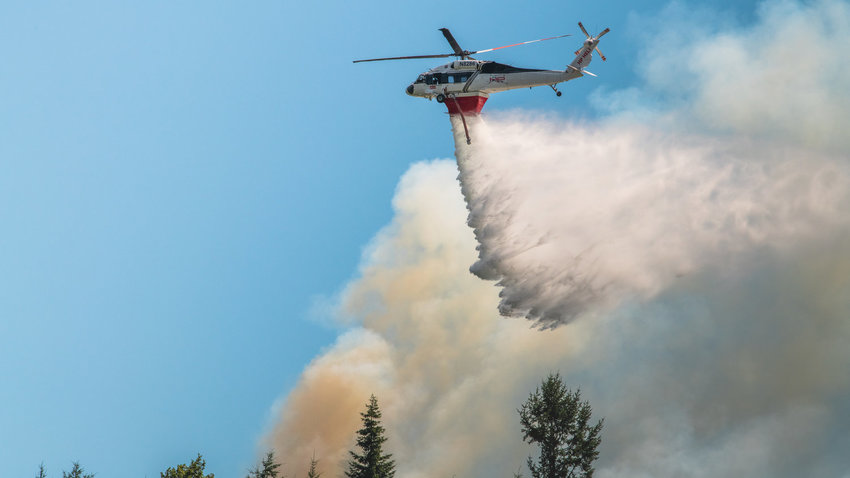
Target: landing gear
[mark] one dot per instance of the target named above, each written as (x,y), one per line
(558,93)
(441,98)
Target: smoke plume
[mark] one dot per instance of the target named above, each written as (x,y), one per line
(690,253)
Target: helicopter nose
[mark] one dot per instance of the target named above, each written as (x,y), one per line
(410,90)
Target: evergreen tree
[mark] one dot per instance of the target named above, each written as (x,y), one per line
(312,473)
(41,473)
(371,462)
(76,472)
(556,419)
(195,469)
(268,470)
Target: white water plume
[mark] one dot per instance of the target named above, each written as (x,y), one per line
(574,216)
(746,153)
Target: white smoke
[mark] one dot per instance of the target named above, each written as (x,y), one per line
(706,260)
(780,78)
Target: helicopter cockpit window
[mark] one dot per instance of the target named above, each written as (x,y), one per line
(421,79)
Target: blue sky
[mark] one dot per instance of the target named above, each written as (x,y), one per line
(180,182)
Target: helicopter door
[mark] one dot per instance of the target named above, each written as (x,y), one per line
(452,79)
(432,81)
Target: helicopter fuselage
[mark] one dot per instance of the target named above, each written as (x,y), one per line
(464,77)
(465,84)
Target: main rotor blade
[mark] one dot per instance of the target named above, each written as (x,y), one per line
(445,55)
(583,30)
(458,50)
(602,33)
(517,44)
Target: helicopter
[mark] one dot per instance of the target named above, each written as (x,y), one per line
(464,85)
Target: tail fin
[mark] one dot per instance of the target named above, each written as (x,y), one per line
(585,54)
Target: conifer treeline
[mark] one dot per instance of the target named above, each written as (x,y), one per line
(553,417)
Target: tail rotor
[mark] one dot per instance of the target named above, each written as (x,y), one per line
(594,39)
(600,54)
(603,32)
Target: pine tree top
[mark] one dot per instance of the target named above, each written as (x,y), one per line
(371,462)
